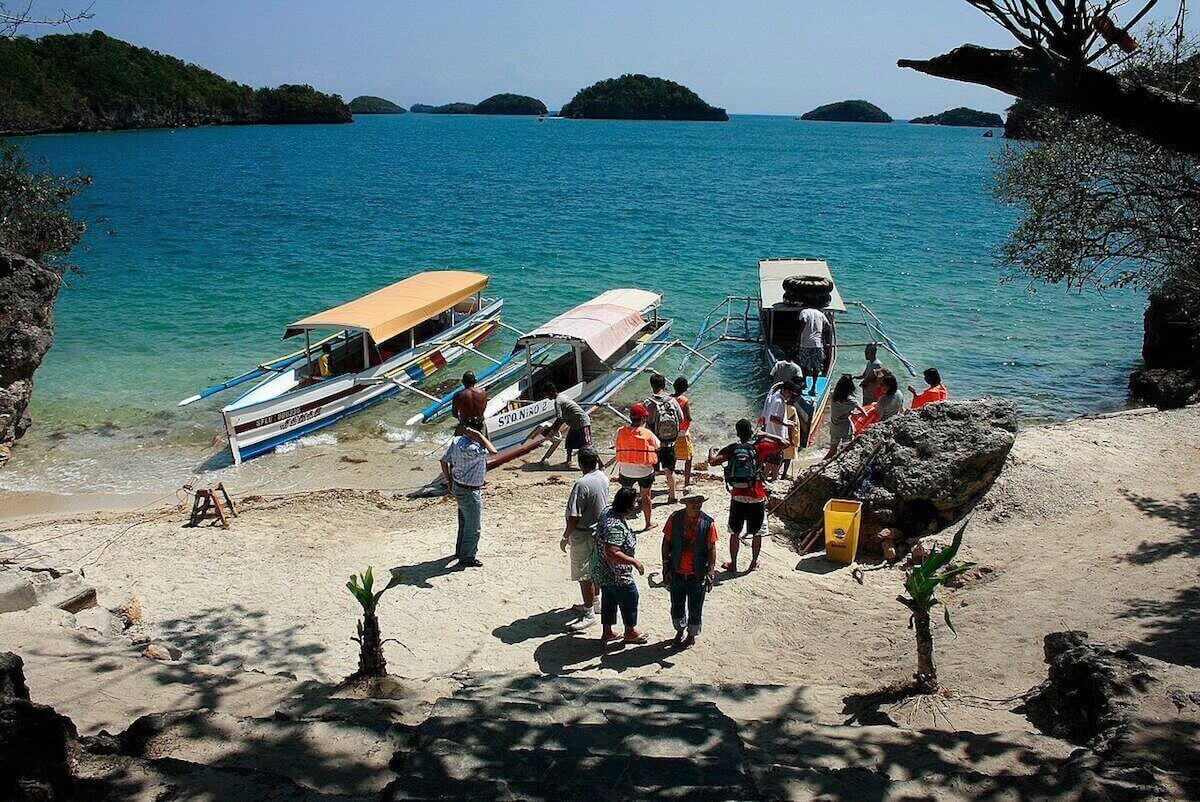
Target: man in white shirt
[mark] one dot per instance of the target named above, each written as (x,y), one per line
(774,422)
(811,353)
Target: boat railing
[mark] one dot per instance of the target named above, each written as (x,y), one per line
(878,335)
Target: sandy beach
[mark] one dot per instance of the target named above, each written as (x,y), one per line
(1091,526)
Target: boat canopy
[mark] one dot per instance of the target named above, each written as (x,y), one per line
(773,272)
(602,325)
(386,312)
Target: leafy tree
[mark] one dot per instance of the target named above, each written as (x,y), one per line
(371,662)
(640,97)
(921,584)
(34,219)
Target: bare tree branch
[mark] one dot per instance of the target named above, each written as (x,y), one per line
(12,21)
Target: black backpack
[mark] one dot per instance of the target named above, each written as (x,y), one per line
(743,468)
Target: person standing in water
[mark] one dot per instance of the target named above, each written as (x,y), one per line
(689,556)
(588,500)
(613,564)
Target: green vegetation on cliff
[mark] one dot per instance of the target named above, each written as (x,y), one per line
(446,108)
(640,97)
(962,116)
(510,104)
(369,104)
(92,82)
(849,111)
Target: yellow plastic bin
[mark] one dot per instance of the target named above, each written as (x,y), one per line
(842,519)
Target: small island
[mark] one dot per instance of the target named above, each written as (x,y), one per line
(848,111)
(511,104)
(93,82)
(369,104)
(640,97)
(445,108)
(962,116)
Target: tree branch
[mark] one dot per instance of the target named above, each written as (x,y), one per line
(1163,117)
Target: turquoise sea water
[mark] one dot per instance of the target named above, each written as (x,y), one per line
(205,242)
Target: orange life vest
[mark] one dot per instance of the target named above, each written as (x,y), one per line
(937,393)
(861,420)
(636,446)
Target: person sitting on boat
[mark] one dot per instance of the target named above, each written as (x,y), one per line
(815,332)
(567,412)
(684,447)
(872,376)
(841,407)
(891,403)
(666,421)
(469,404)
(325,362)
(935,392)
(774,422)
(637,455)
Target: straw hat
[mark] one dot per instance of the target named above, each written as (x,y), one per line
(694,497)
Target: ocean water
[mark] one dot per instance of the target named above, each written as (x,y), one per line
(205,242)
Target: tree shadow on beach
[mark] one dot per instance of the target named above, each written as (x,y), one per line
(1184,514)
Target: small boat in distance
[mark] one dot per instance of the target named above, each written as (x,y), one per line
(589,353)
(384,342)
(772,320)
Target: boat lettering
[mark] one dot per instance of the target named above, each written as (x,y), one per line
(301,418)
(290,418)
(507,419)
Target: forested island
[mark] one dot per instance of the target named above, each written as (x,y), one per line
(510,104)
(445,108)
(640,97)
(962,116)
(1022,120)
(92,82)
(848,111)
(369,104)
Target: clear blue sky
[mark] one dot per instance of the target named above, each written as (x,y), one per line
(755,56)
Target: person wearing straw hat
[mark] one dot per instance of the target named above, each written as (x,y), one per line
(689,556)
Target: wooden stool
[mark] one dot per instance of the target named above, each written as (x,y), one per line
(207,503)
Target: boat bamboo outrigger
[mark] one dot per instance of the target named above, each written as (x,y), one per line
(770,320)
(382,343)
(588,353)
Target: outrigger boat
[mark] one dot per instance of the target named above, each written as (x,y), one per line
(589,353)
(767,319)
(385,342)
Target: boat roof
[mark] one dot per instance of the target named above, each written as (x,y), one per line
(388,311)
(602,324)
(772,272)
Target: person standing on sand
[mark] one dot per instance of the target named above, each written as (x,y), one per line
(464,465)
(872,376)
(935,392)
(567,412)
(814,331)
(689,556)
(841,406)
(744,462)
(588,499)
(612,565)
(774,422)
(469,404)
(666,421)
(684,447)
(891,403)
(637,454)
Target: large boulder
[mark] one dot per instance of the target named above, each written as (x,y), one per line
(1171,353)
(1138,717)
(917,472)
(27,292)
(38,747)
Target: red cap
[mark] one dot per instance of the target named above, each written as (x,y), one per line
(638,412)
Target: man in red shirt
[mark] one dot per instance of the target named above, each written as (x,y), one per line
(744,471)
(689,556)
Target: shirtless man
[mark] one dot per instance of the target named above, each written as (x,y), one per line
(469,404)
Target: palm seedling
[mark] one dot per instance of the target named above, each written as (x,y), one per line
(921,584)
(371,662)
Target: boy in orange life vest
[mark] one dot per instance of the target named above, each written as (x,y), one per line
(689,556)
(936,392)
(637,455)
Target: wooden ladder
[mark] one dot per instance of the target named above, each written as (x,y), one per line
(207,503)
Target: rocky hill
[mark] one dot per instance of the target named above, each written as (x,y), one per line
(369,104)
(92,82)
(640,97)
(510,104)
(849,111)
(446,108)
(962,116)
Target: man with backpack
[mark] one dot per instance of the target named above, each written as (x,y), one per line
(666,421)
(744,463)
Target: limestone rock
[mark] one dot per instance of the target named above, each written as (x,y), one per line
(38,747)
(27,292)
(923,469)
(16,592)
(1171,352)
(1165,388)
(1138,716)
(157,651)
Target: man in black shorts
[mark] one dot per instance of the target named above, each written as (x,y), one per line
(666,421)
(744,461)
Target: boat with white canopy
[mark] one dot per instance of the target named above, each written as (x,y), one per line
(383,343)
(589,353)
(772,319)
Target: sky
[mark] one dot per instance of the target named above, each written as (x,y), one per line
(750,57)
